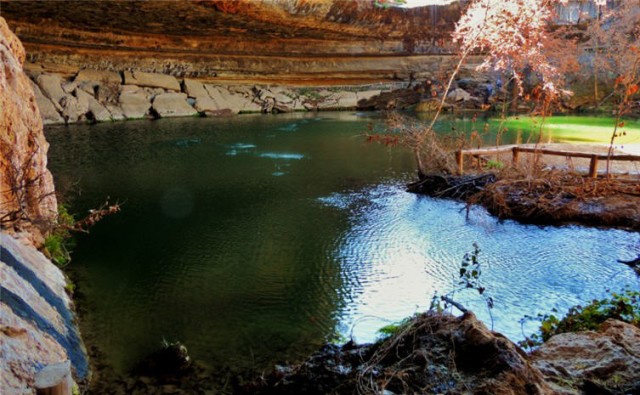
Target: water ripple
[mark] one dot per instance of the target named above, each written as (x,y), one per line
(402,248)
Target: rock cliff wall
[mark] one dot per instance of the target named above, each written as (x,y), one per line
(26,186)
(302,42)
(37,326)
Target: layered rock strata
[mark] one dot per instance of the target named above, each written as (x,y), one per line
(26,187)
(303,42)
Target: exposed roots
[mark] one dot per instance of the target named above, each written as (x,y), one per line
(433,353)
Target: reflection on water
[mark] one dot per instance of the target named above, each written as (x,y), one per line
(402,248)
(253,243)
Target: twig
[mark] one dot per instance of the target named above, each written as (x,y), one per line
(454,303)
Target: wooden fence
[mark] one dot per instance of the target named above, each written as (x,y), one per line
(516,150)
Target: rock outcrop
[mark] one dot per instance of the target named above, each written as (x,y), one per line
(151,80)
(172,104)
(37,326)
(99,96)
(602,362)
(26,186)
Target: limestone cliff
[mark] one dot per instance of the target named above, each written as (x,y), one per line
(302,42)
(37,325)
(26,186)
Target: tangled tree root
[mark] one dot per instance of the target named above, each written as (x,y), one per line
(432,354)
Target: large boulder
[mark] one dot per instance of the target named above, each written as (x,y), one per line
(339,101)
(51,85)
(117,114)
(27,195)
(98,76)
(95,110)
(73,110)
(48,111)
(151,80)
(367,95)
(134,105)
(458,95)
(195,89)
(172,105)
(602,362)
(227,100)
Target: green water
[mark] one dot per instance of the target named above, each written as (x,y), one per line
(255,239)
(576,129)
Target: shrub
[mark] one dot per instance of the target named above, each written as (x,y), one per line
(623,306)
(59,240)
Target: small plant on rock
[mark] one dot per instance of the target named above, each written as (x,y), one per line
(623,306)
(58,242)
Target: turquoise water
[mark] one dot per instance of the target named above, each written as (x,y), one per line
(255,239)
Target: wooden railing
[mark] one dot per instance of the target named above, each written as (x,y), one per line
(516,150)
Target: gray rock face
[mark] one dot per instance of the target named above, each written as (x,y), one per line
(206,104)
(339,100)
(73,110)
(152,80)
(36,321)
(195,89)
(134,105)
(172,105)
(600,361)
(48,111)
(51,85)
(367,95)
(97,111)
(458,95)
(116,112)
(98,76)
(226,100)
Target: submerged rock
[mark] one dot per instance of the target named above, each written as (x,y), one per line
(171,361)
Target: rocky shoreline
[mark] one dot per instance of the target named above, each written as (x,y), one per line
(105,96)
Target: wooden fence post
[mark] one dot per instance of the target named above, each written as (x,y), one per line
(460,161)
(516,156)
(593,166)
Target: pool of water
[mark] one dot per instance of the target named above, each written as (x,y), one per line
(255,239)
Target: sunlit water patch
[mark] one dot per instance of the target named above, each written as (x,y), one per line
(401,249)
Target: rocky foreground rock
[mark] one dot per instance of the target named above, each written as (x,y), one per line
(37,324)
